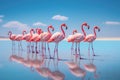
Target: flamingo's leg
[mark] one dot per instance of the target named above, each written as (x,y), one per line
(79,50)
(54,50)
(92,49)
(32,47)
(39,46)
(57,52)
(36,48)
(21,45)
(49,50)
(42,49)
(45,47)
(76,50)
(89,49)
(72,48)
(14,45)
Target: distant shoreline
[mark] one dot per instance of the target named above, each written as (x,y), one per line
(98,39)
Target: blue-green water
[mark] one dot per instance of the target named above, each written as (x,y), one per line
(107,64)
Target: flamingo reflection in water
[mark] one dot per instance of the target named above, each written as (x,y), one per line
(47,73)
(91,67)
(29,61)
(75,69)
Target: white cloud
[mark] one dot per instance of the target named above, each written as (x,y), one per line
(59,17)
(39,24)
(16,24)
(112,23)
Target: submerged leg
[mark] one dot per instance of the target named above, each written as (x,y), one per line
(36,48)
(79,50)
(92,49)
(49,50)
(57,52)
(32,47)
(54,50)
(21,45)
(72,48)
(76,50)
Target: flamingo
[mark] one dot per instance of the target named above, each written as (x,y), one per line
(45,36)
(75,69)
(12,38)
(90,67)
(19,39)
(91,37)
(78,37)
(33,38)
(57,37)
(36,38)
(70,38)
(27,37)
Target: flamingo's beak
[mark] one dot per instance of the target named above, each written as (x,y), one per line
(66,27)
(88,27)
(98,30)
(53,29)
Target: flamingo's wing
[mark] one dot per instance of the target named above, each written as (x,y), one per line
(89,38)
(46,36)
(78,37)
(54,37)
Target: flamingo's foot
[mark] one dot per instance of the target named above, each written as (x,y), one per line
(51,57)
(76,55)
(58,59)
(33,52)
(94,55)
(37,52)
(81,58)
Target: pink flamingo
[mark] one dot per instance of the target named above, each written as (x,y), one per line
(12,38)
(78,37)
(36,38)
(70,38)
(33,38)
(57,37)
(28,37)
(19,39)
(45,36)
(91,37)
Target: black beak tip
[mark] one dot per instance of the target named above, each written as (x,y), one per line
(52,29)
(66,27)
(99,30)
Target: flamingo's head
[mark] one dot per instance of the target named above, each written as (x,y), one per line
(74,31)
(32,30)
(96,27)
(85,24)
(9,32)
(39,31)
(51,27)
(64,25)
(24,31)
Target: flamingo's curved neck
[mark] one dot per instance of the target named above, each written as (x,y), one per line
(10,33)
(48,30)
(63,31)
(24,32)
(31,32)
(74,32)
(95,33)
(83,30)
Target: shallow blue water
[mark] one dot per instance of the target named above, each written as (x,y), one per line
(107,63)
